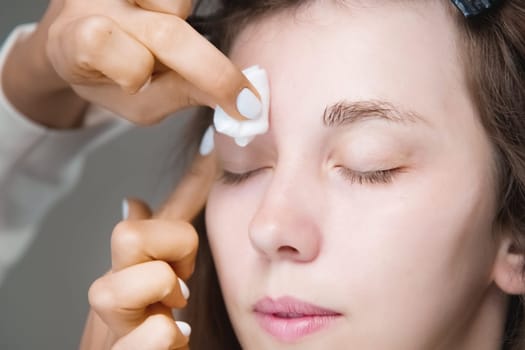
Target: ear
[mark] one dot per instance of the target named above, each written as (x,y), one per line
(508,271)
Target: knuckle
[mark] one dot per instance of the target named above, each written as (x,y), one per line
(90,35)
(100,296)
(140,76)
(191,235)
(130,83)
(126,238)
(140,73)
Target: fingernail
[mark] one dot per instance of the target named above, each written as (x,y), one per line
(185,328)
(125,209)
(248,104)
(207,143)
(145,86)
(184,289)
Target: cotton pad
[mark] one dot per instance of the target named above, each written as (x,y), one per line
(242,132)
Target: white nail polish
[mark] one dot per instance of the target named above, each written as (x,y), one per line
(207,143)
(185,328)
(125,209)
(184,289)
(243,132)
(248,104)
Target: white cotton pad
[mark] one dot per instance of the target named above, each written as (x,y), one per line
(244,132)
(207,143)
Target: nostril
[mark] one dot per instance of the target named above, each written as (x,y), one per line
(275,235)
(288,250)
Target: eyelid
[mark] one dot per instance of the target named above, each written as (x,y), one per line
(232,178)
(382,176)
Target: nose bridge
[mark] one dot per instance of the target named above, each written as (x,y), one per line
(285,225)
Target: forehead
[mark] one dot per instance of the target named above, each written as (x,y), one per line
(402,52)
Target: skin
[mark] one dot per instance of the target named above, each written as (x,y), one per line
(131,304)
(137,58)
(32,85)
(412,263)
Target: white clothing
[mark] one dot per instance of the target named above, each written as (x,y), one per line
(38,166)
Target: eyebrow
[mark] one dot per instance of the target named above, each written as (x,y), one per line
(347,112)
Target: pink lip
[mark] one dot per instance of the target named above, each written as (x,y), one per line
(289,319)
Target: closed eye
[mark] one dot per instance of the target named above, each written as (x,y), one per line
(231,178)
(369,177)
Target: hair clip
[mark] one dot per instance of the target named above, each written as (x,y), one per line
(471,8)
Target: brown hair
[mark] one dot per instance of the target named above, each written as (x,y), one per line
(494,58)
(493,47)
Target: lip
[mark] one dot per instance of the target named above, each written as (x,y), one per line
(289,319)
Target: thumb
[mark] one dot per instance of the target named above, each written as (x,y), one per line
(135,209)
(190,196)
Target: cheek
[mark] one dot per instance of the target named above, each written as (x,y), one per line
(391,255)
(421,247)
(228,214)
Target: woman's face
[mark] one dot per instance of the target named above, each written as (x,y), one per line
(363,217)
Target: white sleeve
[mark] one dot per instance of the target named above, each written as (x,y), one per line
(38,166)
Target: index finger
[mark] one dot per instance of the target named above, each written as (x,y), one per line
(180,47)
(191,194)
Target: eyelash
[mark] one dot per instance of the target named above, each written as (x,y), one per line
(229,178)
(369,177)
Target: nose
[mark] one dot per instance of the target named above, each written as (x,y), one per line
(284,228)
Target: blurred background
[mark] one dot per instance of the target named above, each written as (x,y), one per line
(43,301)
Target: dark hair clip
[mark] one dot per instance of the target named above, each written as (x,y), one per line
(471,8)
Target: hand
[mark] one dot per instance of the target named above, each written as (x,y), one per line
(142,60)
(132,303)
(32,85)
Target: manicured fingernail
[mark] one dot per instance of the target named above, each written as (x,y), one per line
(184,289)
(146,85)
(185,328)
(207,143)
(248,104)
(125,209)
